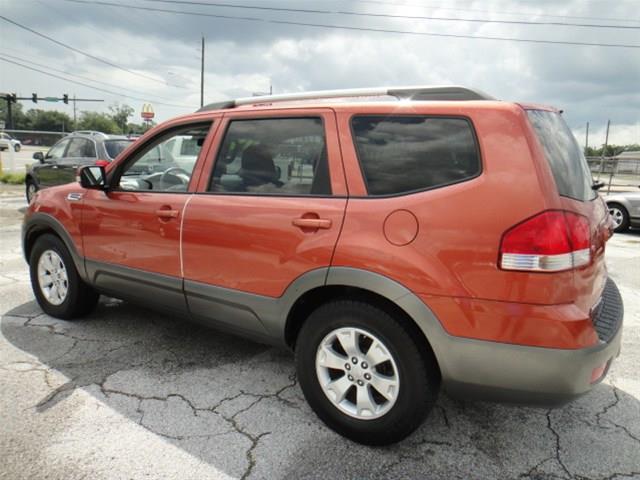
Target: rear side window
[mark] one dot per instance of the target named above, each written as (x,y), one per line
(569,167)
(277,156)
(81,147)
(114,147)
(401,154)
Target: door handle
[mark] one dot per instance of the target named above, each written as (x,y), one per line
(167,213)
(312,223)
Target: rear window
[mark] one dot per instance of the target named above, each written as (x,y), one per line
(567,162)
(401,154)
(114,147)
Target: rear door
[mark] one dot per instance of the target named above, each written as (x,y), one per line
(81,151)
(269,210)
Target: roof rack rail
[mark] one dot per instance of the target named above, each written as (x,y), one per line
(88,132)
(441,92)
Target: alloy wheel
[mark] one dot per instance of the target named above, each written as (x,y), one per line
(52,277)
(357,373)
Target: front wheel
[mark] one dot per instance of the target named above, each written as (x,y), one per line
(17,147)
(363,373)
(56,284)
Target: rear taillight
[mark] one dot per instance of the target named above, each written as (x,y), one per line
(551,241)
(102,163)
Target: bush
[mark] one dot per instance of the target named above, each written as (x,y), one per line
(12,178)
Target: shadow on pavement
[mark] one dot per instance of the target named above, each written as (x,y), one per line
(236,405)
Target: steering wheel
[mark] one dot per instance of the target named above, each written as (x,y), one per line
(176,172)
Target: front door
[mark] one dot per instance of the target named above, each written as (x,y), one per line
(49,171)
(269,211)
(131,235)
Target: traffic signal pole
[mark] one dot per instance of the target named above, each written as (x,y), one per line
(11,98)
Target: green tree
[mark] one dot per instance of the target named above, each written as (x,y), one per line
(139,128)
(17,113)
(46,120)
(120,115)
(100,122)
(611,151)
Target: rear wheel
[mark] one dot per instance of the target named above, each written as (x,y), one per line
(16,147)
(31,189)
(620,217)
(56,284)
(363,373)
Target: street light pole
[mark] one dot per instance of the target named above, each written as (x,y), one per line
(202,75)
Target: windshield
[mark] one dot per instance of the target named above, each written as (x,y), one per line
(567,162)
(114,147)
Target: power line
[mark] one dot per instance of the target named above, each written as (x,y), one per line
(73,49)
(22,59)
(393,16)
(358,29)
(118,94)
(526,14)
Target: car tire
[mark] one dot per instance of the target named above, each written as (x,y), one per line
(408,372)
(30,190)
(56,284)
(620,217)
(16,147)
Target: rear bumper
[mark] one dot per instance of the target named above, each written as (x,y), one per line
(533,375)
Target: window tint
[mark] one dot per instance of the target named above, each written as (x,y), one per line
(400,154)
(81,147)
(159,169)
(273,156)
(114,147)
(57,151)
(567,162)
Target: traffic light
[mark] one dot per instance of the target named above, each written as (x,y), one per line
(65,98)
(13,98)
(34,97)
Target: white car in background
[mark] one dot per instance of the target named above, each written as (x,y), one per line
(624,208)
(7,141)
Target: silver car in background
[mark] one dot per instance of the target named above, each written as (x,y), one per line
(624,209)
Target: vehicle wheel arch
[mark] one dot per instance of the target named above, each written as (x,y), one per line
(40,224)
(314,298)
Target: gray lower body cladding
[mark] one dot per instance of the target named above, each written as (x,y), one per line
(470,368)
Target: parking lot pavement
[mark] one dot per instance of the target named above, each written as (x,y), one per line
(128,393)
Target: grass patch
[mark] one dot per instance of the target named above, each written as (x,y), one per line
(12,178)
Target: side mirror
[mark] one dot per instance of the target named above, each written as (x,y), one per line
(39,156)
(93,177)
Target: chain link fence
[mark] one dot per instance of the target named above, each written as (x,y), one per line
(619,174)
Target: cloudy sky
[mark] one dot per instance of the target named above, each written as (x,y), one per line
(151,51)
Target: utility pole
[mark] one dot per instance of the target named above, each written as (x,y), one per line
(604,152)
(586,140)
(202,75)
(75,122)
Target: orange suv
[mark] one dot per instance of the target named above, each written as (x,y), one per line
(397,239)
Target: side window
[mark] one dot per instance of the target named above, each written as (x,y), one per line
(285,156)
(400,154)
(159,168)
(81,147)
(57,151)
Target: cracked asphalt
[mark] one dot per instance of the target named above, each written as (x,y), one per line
(128,394)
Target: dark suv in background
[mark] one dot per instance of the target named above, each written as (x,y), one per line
(77,149)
